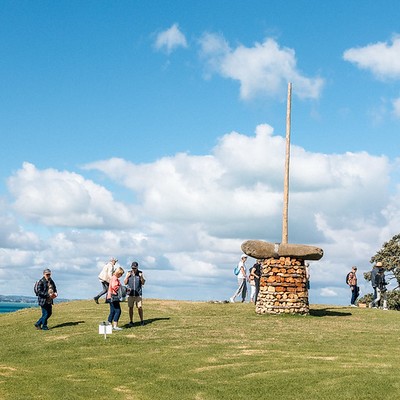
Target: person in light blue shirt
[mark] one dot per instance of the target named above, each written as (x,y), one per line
(242,277)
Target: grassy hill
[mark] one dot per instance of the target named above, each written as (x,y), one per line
(193,350)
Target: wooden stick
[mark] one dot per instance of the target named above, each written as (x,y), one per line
(287,160)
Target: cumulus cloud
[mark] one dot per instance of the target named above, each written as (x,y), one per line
(170,39)
(191,214)
(327,292)
(382,58)
(396,107)
(265,68)
(62,198)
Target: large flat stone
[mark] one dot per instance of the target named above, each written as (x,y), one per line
(261,249)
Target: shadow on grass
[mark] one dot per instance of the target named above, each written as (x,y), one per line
(68,324)
(326,312)
(146,322)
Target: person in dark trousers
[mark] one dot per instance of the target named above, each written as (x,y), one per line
(46,292)
(352,282)
(135,280)
(114,300)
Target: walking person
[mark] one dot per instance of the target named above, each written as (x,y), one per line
(135,280)
(105,277)
(352,282)
(374,272)
(241,277)
(46,291)
(381,290)
(114,300)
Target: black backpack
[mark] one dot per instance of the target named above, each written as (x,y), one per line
(347,278)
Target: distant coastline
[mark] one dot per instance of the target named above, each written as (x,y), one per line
(17,299)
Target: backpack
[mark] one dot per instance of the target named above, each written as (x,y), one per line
(347,278)
(236,270)
(36,287)
(122,292)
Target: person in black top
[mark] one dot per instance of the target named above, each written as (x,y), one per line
(381,289)
(255,273)
(46,292)
(135,280)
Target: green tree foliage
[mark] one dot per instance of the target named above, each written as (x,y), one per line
(389,256)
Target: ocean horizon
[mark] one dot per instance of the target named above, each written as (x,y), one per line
(6,307)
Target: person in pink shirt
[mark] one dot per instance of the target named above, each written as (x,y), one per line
(113,299)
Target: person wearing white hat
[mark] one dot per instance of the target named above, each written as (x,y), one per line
(241,277)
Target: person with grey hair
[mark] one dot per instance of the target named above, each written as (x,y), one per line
(241,277)
(105,277)
(46,291)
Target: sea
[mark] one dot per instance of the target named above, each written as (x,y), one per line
(6,307)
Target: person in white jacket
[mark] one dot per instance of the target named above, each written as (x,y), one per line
(105,277)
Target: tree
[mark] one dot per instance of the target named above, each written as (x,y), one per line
(389,256)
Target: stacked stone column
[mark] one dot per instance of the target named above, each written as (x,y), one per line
(283,287)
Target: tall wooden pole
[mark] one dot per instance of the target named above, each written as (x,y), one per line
(287,160)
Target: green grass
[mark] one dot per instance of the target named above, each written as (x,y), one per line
(193,350)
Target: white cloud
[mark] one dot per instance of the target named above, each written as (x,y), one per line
(193,212)
(327,292)
(61,198)
(382,58)
(396,107)
(170,39)
(265,68)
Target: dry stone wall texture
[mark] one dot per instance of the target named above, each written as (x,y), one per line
(283,287)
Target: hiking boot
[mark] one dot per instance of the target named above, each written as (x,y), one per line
(142,323)
(45,328)
(131,324)
(38,327)
(96,300)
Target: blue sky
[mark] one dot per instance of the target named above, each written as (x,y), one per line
(154,131)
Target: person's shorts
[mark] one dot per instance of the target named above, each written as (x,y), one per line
(132,300)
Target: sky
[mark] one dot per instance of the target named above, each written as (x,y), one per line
(155,132)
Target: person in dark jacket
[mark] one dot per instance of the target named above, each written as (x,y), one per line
(46,292)
(374,272)
(381,289)
(135,280)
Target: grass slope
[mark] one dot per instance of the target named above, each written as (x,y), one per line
(193,350)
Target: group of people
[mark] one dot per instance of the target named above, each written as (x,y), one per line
(378,283)
(111,286)
(109,277)
(253,278)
